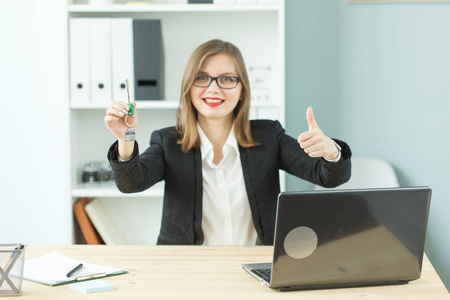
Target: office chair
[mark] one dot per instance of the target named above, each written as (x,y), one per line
(369,172)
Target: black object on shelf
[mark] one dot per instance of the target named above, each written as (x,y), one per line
(199,1)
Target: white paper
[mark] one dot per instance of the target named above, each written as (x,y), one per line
(53,267)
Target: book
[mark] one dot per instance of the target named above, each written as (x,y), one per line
(103,223)
(90,234)
(52,269)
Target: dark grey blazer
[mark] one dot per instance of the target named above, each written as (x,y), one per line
(182,173)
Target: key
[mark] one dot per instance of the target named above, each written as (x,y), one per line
(130,135)
(130,112)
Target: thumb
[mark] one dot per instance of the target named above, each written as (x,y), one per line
(310,118)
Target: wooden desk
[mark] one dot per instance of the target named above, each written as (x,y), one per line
(201,272)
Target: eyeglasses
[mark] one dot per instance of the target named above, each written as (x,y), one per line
(224,82)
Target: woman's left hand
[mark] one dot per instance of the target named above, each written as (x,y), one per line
(314,142)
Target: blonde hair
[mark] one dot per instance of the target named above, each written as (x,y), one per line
(187,116)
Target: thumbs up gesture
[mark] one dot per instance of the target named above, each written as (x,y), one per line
(314,142)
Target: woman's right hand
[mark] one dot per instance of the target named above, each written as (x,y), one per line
(115,118)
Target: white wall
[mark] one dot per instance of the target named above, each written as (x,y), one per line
(35,205)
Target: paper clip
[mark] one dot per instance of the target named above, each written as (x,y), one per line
(90,276)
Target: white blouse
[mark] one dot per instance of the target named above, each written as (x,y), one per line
(226,219)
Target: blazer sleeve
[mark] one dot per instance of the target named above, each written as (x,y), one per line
(316,170)
(143,170)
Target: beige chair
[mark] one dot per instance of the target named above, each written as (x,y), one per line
(369,172)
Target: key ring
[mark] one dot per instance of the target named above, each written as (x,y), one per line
(126,122)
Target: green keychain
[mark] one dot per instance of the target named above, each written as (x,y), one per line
(131,111)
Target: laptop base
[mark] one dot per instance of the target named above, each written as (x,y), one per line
(341,285)
(253,269)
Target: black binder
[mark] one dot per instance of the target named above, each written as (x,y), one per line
(148,60)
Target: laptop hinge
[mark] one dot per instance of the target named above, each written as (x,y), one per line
(341,285)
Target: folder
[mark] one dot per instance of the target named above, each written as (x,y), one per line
(122,58)
(79,60)
(253,114)
(148,60)
(269,113)
(100,60)
(90,234)
(103,223)
(52,269)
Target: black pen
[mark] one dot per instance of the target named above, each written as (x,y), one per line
(74,270)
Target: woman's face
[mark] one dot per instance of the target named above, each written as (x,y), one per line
(214,102)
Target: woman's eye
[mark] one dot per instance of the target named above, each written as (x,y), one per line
(226,79)
(201,77)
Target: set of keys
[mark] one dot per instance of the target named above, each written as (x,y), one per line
(130,134)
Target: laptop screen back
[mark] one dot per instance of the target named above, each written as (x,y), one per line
(349,236)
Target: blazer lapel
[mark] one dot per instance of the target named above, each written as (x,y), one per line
(251,192)
(198,201)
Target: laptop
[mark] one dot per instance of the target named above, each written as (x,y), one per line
(346,238)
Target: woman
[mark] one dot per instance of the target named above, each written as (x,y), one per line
(220,169)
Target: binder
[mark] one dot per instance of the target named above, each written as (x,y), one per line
(122,57)
(269,113)
(90,234)
(148,60)
(253,114)
(100,60)
(79,60)
(103,223)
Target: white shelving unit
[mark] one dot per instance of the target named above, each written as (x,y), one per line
(258,31)
(120,8)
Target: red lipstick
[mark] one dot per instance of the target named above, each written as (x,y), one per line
(213,101)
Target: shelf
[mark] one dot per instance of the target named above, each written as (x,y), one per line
(163,104)
(157,104)
(118,8)
(92,190)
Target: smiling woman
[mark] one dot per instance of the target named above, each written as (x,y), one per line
(221,59)
(221,170)
(215,104)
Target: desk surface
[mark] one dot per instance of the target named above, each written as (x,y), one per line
(202,272)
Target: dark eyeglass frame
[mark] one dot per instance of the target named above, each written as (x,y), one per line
(211,79)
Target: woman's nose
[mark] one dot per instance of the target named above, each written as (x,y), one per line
(214,86)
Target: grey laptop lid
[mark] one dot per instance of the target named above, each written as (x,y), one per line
(338,238)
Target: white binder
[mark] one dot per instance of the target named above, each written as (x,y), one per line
(100,49)
(122,58)
(79,60)
(268,113)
